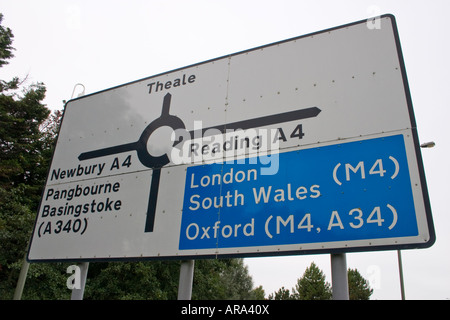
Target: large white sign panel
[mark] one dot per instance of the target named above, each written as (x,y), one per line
(306,145)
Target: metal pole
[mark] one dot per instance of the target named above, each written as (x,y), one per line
(339,277)
(77,294)
(186,280)
(22,278)
(400,269)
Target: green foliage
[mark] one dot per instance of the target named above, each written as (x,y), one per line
(358,287)
(21,141)
(144,280)
(24,157)
(6,39)
(312,285)
(258,293)
(236,281)
(5,43)
(46,281)
(158,280)
(281,294)
(224,279)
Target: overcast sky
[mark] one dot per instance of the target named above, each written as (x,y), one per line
(102,44)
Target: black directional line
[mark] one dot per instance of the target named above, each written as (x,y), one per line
(153,196)
(259,122)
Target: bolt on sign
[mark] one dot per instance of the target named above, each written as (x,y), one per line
(302,146)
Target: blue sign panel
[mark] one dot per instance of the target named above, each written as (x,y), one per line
(349,191)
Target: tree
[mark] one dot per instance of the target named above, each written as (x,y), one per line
(358,287)
(24,157)
(6,38)
(258,293)
(223,279)
(236,280)
(142,280)
(155,280)
(281,294)
(312,285)
(5,43)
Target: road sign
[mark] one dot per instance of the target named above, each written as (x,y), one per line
(335,193)
(302,146)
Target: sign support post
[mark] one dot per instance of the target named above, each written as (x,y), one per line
(400,270)
(22,278)
(339,277)
(186,280)
(77,294)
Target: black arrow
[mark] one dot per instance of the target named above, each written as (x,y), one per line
(254,123)
(261,122)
